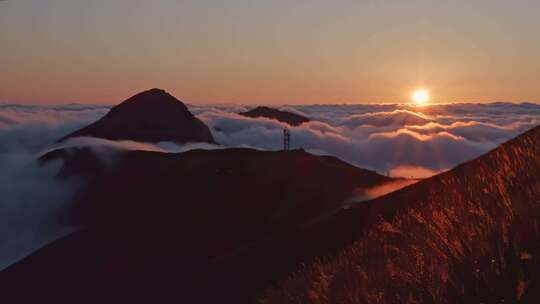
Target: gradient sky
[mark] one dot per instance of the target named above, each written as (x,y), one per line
(239,51)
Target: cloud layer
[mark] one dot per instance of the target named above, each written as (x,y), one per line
(399,140)
(31,199)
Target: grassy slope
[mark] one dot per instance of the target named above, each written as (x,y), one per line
(463,236)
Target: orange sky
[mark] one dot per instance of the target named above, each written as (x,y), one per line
(60,51)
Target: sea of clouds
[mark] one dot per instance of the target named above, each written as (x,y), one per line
(399,140)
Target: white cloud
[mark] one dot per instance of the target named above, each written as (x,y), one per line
(412,172)
(383,137)
(397,117)
(31,206)
(32,201)
(361,194)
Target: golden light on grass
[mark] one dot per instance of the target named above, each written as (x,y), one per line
(420,97)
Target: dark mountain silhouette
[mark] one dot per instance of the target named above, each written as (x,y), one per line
(292,119)
(150,116)
(163,227)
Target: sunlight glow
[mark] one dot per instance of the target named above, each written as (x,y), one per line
(420,96)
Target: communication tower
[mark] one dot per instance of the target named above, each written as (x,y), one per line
(286,140)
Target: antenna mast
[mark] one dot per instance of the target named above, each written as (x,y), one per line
(286,140)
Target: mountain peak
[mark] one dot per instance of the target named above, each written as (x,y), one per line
(155,92)
(150,116)
(153,97)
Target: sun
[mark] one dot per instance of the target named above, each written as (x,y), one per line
(420,96)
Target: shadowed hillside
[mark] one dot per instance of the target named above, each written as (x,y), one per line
(162,227)
(469,235)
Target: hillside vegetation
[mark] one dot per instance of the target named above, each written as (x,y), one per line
(469,235)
